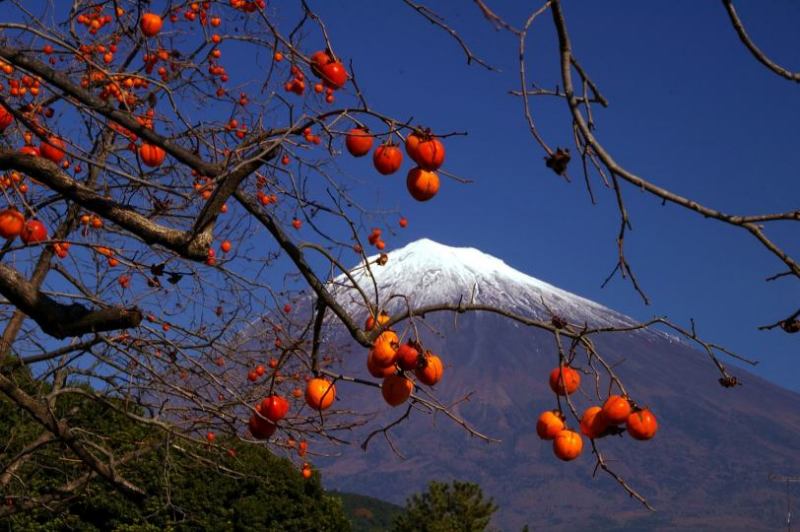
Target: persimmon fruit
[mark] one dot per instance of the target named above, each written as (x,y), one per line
(30,150)
(568,445)
(384,349)
(387,158)
(274,407)
(376,370)
(616,409)
(593,424)
(11,223)
(549,424)
(151,24)
(396,389)
(358,142)
(642,424)
(371,322)
(6,118)
(422,184)
(431,370)
(152,155)
(430,153)
(53,149)
(261,428)
(320,393)
(34,231)
(332,72)
(407,357)
(564,381)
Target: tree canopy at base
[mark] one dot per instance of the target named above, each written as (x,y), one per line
(219,486)
(446,507)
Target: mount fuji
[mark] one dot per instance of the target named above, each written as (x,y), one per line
(707,468)
(430,273)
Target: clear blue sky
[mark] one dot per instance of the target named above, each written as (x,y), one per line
(690,109)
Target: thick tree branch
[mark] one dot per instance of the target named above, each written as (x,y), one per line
(228,184)
(57,79)
(101,149)
(182,242)
(60,320)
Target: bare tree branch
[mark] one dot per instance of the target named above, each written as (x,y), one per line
(760,56)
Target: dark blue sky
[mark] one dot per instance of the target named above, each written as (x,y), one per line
(690,110)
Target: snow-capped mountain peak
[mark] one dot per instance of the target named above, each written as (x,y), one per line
(428,272)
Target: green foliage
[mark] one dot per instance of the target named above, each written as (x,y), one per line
(368,514)
(446,508)
(189,486)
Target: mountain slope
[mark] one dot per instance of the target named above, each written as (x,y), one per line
(706,469)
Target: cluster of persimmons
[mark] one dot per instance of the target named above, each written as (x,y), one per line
(389,359)
(597,421)
(12,222)
(422,147)
(425,149)
(326,67)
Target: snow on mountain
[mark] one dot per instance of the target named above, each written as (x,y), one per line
(430,273)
